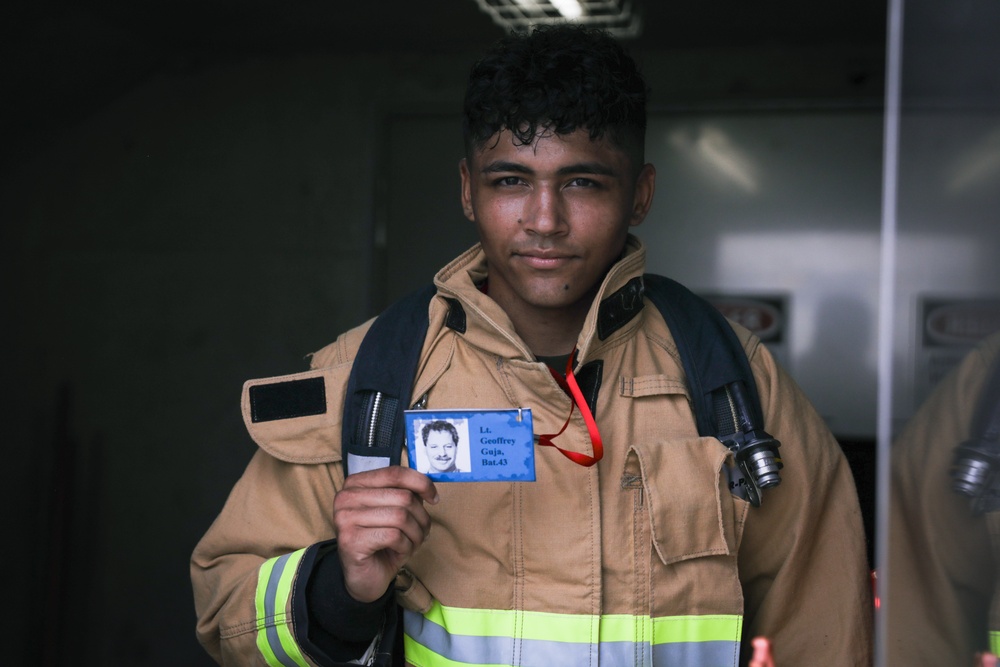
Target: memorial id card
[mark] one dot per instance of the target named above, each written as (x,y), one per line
(472,445)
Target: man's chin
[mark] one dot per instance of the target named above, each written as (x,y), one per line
(556,294)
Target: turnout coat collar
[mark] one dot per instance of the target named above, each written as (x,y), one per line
(490,328)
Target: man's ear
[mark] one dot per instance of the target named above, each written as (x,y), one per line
(463,170)
(645,186)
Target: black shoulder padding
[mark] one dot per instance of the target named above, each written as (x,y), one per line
(287,399)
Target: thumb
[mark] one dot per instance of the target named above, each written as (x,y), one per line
(761,653)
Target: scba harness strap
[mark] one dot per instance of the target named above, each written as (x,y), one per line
(976,466)
(721,384)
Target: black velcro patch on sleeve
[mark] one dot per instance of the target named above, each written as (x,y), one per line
(287,400)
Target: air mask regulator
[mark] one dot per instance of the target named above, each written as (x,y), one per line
(975,470)
(974,474)
(755,450)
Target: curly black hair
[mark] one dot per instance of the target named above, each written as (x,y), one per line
(556,78)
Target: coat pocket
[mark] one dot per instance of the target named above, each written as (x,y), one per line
(691,511)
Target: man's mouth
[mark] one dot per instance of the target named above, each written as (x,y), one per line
(543,259)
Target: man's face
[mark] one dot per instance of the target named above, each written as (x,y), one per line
(552,216)
(440,451)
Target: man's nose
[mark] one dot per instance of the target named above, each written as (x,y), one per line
(545,215)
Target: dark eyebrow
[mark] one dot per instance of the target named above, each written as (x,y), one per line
(595,168)
(505,166)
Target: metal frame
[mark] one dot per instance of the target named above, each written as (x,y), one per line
(618,17)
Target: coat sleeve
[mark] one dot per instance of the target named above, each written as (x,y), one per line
(266,569)
(254,568)
(803,558)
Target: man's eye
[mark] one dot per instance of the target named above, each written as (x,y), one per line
(508,180)
(582,182)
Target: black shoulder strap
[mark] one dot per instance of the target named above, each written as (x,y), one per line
(711,354)
(380,384)
(721,383)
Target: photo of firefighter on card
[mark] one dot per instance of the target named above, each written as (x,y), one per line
(441,445)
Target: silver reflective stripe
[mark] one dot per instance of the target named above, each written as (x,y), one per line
(685,654)
(356,463)
(706,654)
(270,609)
(493,650)
(710,641)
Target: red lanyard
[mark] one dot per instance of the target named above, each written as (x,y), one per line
(572,389)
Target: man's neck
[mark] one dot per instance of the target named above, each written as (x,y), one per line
(549,332)
(557,363)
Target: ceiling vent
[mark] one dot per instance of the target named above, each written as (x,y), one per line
(618,17)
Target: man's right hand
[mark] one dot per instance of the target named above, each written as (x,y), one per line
(381,521)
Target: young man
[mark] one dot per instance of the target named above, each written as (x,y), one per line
(628,548)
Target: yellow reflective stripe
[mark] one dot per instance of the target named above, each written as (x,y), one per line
(263,575)
(709,628)
(500,623)
(624,628)
(584,627)
(995,642)
(274,635)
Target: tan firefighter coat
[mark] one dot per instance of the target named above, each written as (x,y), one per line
(644,558)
